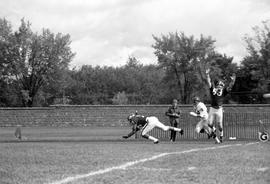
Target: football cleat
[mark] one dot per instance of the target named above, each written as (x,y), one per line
(181,132)
(156,142)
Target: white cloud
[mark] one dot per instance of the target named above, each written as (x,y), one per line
(106,32)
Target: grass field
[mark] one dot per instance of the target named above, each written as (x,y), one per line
(87,155)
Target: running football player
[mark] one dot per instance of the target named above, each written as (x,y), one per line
(146,124)
(200,111)
(218,91)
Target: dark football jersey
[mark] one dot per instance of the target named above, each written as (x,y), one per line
(217,96)
(173,110)
(139,120)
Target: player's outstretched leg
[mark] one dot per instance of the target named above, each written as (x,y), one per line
(148,128)
(146,136)
(156,123)
(181,131)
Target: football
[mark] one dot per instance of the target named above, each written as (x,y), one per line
(266,95)
(193,114)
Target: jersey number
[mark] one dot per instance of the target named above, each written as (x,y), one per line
(217,92)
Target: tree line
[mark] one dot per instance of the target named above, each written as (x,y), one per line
(34,70)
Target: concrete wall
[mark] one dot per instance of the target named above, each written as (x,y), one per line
(109,115)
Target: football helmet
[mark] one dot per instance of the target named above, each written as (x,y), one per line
(129,118)
(196,99)
(219,84)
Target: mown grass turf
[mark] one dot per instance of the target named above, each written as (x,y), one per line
(45,162)
(55,134)
(52,154)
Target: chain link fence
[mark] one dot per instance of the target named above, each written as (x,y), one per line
(236,125)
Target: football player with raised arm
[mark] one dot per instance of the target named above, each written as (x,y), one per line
(146,124)
(218,91)
(200,111)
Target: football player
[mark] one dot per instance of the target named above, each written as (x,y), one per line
(174,115)
(200,110)
(146,124)
(218,91)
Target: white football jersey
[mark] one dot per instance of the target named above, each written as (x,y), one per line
(201,109)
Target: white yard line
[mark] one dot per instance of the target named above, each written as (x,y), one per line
(191,168)
(251,143)
(132,163)
(151,169)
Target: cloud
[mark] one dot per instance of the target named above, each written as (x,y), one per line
(106,32)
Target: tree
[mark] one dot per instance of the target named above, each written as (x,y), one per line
(255,67)
(6,93)
(185,60)
(34,60)
(5,39)
(141,84)
(120,98)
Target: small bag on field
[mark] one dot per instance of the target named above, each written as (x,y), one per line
(18,133)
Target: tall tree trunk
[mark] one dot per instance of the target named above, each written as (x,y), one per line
(180,84)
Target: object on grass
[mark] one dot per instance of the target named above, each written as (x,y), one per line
(18,133)
(266,95)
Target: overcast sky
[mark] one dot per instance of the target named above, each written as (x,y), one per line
(106,32)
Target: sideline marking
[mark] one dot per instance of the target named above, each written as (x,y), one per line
(131,163)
